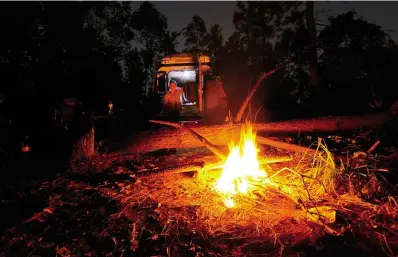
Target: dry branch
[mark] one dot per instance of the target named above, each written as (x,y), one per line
(251,93)
(206,143)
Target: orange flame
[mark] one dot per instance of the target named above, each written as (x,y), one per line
(241,166)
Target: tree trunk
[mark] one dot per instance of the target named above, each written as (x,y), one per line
(313,55)
(146,81)
(84,146)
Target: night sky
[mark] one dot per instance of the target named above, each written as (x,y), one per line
(179,14)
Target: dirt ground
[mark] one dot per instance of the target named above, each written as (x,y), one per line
(83,212)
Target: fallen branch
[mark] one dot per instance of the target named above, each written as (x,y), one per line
(172,170)
(203,140)
(207,144)
(329,124)
(260,140)
(283,145)
(166,138)
(167,123)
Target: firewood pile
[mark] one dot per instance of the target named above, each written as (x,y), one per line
(303,200)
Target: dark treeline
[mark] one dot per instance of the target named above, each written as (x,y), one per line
(101,51)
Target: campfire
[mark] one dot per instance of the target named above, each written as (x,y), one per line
(250,192)
(241,170)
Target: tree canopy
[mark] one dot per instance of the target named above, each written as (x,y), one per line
(104,50)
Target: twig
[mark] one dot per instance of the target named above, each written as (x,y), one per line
(371,149)
(380,170)
(255,116)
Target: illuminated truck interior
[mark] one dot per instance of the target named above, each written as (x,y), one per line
(185,70)
(205,97)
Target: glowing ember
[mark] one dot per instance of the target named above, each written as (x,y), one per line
(241,168)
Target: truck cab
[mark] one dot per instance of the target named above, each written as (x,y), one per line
(194,75)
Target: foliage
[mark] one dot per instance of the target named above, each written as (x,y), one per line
(103,50)
(270,33)
(195,35)
(150,28)
(352,61)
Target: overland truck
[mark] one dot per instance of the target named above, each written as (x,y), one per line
(205,94)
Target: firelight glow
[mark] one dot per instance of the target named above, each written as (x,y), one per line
(241,167)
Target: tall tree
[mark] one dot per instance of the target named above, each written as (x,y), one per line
(352,61)
(231,66)
(170,42)
(111,20)
(313,55)
(259,25)
(79,49)
(195,35)
(214,41)
(150,27)
(20,45)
